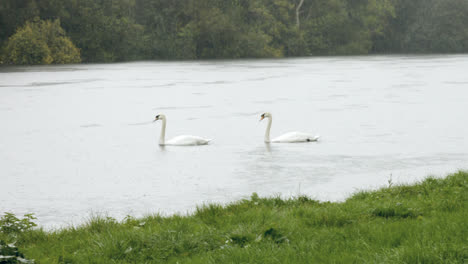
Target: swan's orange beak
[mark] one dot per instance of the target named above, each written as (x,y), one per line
(261,118)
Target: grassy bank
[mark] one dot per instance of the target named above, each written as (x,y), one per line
(422,223)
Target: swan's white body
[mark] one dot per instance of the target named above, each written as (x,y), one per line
(295,137)
(183,140)
(186,140)
(291,137)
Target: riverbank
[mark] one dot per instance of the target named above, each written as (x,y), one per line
(425,222)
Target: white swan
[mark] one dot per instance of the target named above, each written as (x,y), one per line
(291,137)
(184,140)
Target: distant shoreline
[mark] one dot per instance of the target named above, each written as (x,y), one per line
(415,55)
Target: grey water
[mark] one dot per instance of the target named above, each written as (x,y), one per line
(78,140)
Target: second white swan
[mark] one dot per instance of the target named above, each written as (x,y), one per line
(184,140)
(291,137)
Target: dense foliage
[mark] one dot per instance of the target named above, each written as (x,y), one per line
(422,223)
(119,30)
(40,42)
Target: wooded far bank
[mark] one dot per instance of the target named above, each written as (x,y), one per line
(72,31)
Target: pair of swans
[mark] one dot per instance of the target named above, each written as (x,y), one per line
(188,140)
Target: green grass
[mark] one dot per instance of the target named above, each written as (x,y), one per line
(422,223)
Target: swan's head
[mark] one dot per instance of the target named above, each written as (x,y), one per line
(159,117)
(265,115)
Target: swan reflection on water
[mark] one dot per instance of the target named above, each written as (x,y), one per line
(268,147)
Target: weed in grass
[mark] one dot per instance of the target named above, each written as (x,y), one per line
(275,235)
(395,211)
(12,226)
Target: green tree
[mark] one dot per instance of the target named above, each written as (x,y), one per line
(394,34)
(13,14)
(105,30)
(40,42)
(426,26)
(441,27)
(344,26)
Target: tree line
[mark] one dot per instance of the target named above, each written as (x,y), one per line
(70,31)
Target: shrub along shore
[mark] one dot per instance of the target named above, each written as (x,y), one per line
(421,223)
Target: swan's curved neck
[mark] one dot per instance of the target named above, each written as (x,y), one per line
(163,132)
(267,132)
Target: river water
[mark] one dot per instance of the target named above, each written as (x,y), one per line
(78,140)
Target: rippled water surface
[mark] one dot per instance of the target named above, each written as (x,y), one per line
(79,140)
